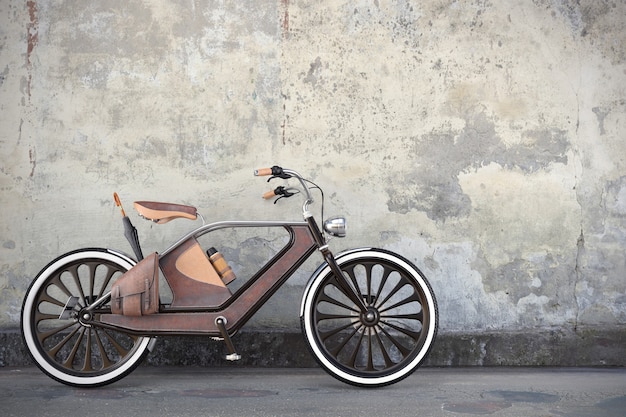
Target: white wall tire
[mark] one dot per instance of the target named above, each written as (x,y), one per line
(66,350)
(384,346)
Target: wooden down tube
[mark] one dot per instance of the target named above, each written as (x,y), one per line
(238,309)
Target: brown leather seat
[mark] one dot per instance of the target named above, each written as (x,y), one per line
(164,212)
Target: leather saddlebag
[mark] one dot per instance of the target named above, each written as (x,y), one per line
(136,293)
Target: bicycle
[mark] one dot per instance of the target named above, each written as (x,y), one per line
(368,315)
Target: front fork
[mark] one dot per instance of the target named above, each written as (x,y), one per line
(342,280)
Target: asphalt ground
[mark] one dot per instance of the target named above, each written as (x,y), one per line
(238,391)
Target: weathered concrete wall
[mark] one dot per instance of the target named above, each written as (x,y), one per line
(482,140)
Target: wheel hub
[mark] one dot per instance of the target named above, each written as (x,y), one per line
(371,317)
(85,318)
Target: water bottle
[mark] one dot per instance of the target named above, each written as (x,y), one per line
(221,266)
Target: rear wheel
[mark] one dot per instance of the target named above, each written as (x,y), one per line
(68,349)
(388,341)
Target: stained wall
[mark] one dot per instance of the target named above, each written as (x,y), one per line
(482,140)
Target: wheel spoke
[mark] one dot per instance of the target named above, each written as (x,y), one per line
(87,362)
(119,348)
(42,336)
(329,299)
(335,352)
(355,353)
(92,280)
(412,334)
(368,280)
(75,275)
(106,362)
(325,316)
(394,291)
(68,363)
(107,279)
(327,334)
(415,316)
(63,342)
(404,350)
(57,283)
(383,281)
(413,298)
(40,317)
(370,353)
(383,350)
(51,300)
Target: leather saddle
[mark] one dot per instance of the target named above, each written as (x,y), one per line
(164,212)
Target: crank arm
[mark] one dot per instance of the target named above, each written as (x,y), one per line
(69,308)
(70,311)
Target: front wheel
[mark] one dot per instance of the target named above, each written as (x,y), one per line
(64,347)
(388,341)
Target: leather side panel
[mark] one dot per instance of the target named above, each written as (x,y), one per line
(194,264)
(193,285)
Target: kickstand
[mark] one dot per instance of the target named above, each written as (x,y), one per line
(221,325)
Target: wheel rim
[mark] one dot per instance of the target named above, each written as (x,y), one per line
(384,339)
(72,350)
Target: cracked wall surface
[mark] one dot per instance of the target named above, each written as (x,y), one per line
(482,140)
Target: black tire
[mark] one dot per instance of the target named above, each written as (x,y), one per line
(379,348)
(67,350)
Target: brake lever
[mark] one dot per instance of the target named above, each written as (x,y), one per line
(282,192)
(282,175)
(286,192)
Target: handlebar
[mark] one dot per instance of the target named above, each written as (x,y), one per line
(276,171)
(284,173)
(280,192)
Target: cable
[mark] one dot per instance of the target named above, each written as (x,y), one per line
(321,193)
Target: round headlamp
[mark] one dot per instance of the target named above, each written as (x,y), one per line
(335,226)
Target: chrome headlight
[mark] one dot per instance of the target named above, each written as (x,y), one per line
(335,226)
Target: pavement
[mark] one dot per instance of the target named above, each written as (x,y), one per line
(241,391)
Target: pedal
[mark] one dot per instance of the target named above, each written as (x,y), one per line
(220,322)
(71,303)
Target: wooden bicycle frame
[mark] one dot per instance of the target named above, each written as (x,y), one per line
(236,310)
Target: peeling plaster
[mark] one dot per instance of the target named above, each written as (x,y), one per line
(443,157)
